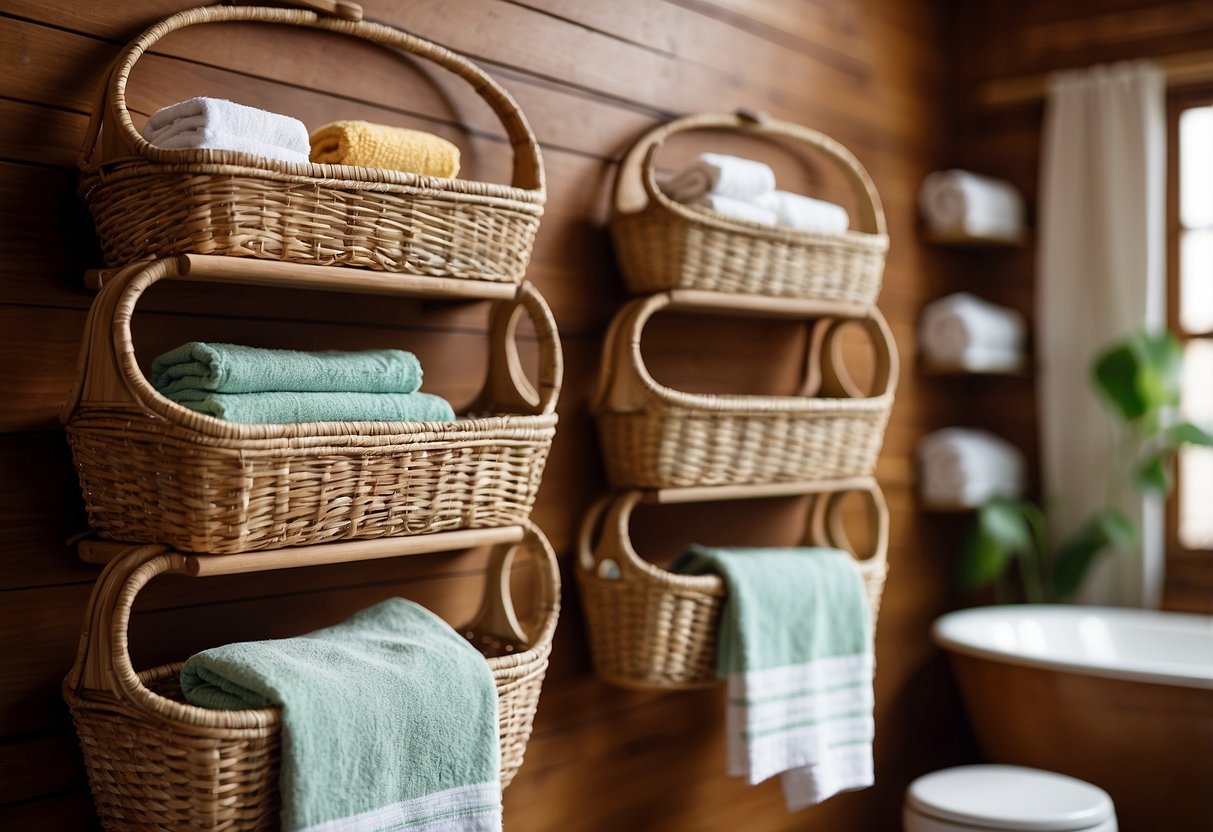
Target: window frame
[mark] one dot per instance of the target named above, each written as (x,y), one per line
(1189,581)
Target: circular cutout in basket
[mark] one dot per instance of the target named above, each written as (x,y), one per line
(150,202)
(651,628)
(662,244)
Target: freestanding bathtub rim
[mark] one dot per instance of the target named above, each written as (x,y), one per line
(1135,645)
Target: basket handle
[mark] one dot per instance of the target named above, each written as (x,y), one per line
(636,182)
(343,9)
(497,615)
(603,534)
(121,139)
(507,387)
(103,659)
(108,372)
(624,381)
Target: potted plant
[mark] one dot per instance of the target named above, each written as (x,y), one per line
(1139,380)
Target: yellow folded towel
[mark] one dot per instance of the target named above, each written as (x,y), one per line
(380,146)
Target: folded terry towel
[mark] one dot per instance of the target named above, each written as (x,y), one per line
(805,213)
(722,175)
(217,124)
(795,645)
(738,209)
(368,145)
(231,368)
(389,721)
(960,202)
(285,407)
(965,467)
(958,328)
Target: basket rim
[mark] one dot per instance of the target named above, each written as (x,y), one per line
(111,110)
(627,388)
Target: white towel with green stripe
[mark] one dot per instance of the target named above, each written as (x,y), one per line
(795,646)
(389,721)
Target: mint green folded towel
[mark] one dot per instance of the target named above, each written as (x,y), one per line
(231,368)
(389,721)
(795,644)
(288,408)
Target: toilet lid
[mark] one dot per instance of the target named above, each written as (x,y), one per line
(1010,798)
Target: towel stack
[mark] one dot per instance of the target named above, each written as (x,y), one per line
(745,189)
(963,467)
(217,124)
(956,203)
(389,721)
(965,332)
(260,386)
(795,646)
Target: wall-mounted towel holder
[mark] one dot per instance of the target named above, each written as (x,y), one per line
(656,437)
(160,763)
(652,629)
(154,471)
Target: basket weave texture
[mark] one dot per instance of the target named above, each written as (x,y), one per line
(149,202)
(153,471)
(657,437)
(158,764)
(662,244)
(653,629)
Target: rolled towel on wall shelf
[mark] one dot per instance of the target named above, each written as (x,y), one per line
(217,124)
(960,207)
(961,468)
(962,332)
(367,145)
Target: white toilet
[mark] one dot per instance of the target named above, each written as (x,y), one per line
(1005,799)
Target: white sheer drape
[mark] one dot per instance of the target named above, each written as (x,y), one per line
(1100,275)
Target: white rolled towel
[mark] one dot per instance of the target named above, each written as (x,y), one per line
(960,202)
(218,124)
(963,330)
(805,213)
(722,175)
(735,208)
(967,466)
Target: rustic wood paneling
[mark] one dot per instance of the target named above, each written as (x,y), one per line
(590,77)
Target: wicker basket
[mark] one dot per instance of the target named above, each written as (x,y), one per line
(157,763)
(650,628)
(150,202)
(656,437)
(662,244)
(153,471)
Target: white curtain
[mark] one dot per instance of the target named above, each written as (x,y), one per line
(1100,275)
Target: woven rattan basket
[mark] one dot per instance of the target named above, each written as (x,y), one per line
(662,244)
(150,202)
(153,471)
(157,763)
(651,628)
(657,437)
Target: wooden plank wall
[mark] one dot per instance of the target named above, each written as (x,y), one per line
(1015,39)
(591,77)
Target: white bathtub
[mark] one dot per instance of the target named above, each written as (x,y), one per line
(1120,698)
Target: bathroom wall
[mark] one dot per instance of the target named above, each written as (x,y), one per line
(1004,49)
(591,78)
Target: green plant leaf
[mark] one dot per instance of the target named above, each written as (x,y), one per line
(1186,433)
(1161,363)
(1115,376)
(982,560)
(1154,477)
(1003,521)
(1075,556)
